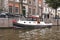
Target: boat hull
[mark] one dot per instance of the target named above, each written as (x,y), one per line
(30,26)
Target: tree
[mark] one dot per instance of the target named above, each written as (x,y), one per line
(54,4)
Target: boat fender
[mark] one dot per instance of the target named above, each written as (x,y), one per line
(38,21)
(14,21)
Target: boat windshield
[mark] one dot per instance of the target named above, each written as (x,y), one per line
(31,19)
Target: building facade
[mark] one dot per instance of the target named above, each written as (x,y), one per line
(48,11)
(29,7)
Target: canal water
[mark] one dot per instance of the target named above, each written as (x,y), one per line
(25,34)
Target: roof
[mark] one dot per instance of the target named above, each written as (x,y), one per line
(34,16)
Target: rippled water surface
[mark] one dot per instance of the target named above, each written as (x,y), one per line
(26,34)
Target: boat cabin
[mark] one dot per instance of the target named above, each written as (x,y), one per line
(32,18)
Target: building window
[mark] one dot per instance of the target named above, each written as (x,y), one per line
(29,10)
(30,2)
(34,1)
(45,9)
(33,11)
(46,16)
(25,1)
(16,9)
(10,9)
(24,8)
(16,0)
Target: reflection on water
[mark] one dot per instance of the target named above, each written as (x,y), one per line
(23,34)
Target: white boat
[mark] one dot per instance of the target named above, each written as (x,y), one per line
(31,23)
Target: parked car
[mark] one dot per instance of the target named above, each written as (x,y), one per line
(2,15)
(9,15)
